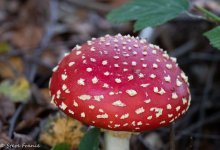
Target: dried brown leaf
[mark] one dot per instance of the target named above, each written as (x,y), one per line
(27,124)
(27,37)
(7,108)
(12,68)
(33,110)
(26,29)
(62,129)
(34,13)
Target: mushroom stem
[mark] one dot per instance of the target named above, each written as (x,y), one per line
(116,142)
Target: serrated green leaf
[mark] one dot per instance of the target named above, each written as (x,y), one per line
(61,146)
(91,140)
(148,12)
(214,37)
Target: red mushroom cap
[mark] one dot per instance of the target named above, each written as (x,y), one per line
(120,83)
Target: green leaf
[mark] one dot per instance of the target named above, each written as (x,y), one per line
(91,140)
(148,12)
(62,146)
(214,37)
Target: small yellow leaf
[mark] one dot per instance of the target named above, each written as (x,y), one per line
(17,91)
(4,47)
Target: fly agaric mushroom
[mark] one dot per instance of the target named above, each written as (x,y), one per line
(120,83)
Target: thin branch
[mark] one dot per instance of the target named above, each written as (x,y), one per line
(184,49)
(205,57)
(14,119)
(208,15)
(46,38)
(92,5)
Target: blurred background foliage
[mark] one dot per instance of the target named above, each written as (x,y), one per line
(34,35)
